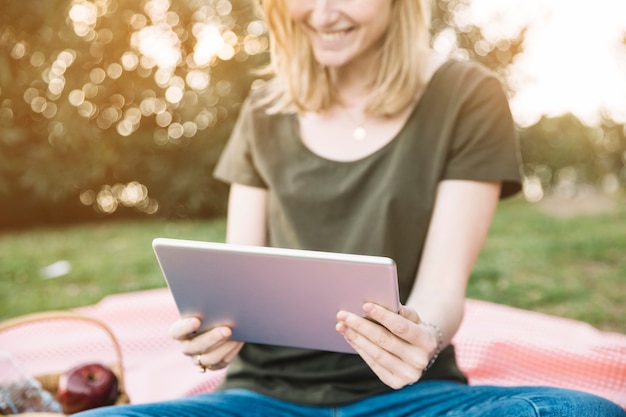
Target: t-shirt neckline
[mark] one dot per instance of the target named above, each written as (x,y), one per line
(294,125)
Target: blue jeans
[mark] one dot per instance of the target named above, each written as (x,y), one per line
(432,398)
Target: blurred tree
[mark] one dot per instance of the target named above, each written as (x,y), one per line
(562,154)
(559,153)
(455,35)
(611,140)
(121,107)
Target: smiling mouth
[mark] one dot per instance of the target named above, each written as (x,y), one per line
(332,37)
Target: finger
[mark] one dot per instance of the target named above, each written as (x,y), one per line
(234,352)
(373,362)
(358,326)
(408,326)
(206,341)
(197,360)
(372,338)
(399,324)
(410,314)
(410,355)
(181,329)
(219,357)
(391,369)
(395,376)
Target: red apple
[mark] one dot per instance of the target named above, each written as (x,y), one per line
(87,386)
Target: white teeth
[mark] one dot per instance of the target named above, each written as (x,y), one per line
(330,36)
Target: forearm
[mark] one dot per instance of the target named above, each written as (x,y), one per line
(247,215)
(461,219)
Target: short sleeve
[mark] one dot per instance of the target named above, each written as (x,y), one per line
(485,145)
(236,163)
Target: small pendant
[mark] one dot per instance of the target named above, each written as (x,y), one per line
(359,133)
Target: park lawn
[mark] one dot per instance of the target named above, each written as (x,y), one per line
(568,265)
(558,260)
(106,258)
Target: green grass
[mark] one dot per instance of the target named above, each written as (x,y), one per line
(106,258)
(572,266)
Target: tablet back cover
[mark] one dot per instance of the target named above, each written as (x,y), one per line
(274,296)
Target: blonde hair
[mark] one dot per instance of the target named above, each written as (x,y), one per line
(300,81)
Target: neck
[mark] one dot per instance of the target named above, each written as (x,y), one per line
(353,84)
(353,96)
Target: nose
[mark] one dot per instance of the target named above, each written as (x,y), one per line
(323,13)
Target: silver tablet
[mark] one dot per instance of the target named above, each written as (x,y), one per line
(274,296)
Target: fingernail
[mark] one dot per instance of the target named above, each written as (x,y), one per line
(340,327)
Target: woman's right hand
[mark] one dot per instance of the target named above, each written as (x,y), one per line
(209,350)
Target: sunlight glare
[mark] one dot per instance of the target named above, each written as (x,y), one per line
(87,109)
(533,189)
(175,130)
(37,59)
(174,94)
(157,9)
(164,118)
(108,117)
(129,61)
(198,80)
(105,201)
(97,75)
(84,16)
(573,58)
(209,43)
(19,50)
(114,71)
(76,97)
(160,44)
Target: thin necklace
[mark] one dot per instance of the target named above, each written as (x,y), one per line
(359,133)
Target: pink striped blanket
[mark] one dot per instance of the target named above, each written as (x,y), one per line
(496,344)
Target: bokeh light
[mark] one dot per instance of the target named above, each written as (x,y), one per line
(573,59)
(110,197)
(159,44)
(122,88)
(209,43)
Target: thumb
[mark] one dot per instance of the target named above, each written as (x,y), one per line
(410,314)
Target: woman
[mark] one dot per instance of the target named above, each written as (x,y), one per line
(365,141)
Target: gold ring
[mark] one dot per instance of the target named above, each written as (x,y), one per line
(199,363)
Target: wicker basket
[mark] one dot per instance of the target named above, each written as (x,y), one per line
(50,381)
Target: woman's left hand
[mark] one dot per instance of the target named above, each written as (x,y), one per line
(396,346)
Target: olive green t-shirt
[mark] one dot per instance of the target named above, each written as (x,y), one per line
(378,205)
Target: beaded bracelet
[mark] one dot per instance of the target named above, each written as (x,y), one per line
(439,345)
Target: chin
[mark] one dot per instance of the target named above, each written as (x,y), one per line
(331,60)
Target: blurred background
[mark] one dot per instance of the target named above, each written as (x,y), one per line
(120,108)
(117,110)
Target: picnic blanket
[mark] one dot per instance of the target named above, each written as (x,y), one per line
(496,344)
